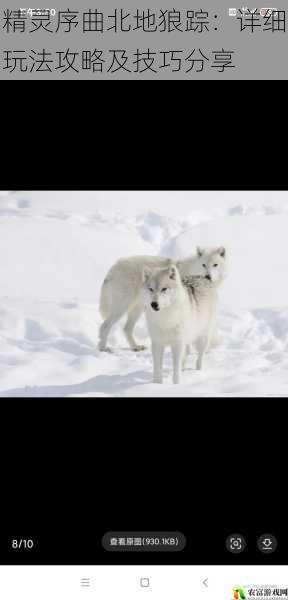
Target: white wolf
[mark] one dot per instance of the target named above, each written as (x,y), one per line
(120,292)
(178,313)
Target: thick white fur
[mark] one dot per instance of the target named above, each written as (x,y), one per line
(178,315)
(121,289)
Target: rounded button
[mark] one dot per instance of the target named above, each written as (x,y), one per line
(267,543)
(235,543)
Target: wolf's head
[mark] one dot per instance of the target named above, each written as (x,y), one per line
(160,287)
(212,263)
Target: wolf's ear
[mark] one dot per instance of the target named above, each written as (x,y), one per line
(172,272)
(199,251)
(147,272)
(222,251)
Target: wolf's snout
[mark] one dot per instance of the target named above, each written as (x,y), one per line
(208,277)
(155,305)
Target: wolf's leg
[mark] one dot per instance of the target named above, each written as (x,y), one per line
(133,316)
(202,345)
(215,339)
(186,353)
(108,323)
(177,353)
(157,352)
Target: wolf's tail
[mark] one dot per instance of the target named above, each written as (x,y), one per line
(104,300)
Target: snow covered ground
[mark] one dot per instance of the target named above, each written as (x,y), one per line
(55,248)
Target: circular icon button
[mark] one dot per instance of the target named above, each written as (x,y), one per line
(267,543)
(235,543)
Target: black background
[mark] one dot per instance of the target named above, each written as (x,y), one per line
(75,468)
(84,467)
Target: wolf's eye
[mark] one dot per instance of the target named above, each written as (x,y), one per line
(164,290)
(216,265)
(204,266)
(151,290)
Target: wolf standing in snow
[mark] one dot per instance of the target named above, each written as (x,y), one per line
(121,289)
(178,313)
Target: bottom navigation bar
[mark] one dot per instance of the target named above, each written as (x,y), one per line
(132,582)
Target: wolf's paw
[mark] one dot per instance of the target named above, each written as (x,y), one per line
(105,349)
(157,380)
(138,348)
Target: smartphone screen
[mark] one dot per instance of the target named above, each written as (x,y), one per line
(143,357)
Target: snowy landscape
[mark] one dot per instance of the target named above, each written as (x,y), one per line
(55,250)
